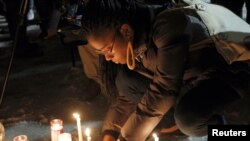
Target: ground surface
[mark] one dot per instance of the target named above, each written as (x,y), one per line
(43,88)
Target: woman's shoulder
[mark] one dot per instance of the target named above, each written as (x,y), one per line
(171,16)
(170,20)
(169,24)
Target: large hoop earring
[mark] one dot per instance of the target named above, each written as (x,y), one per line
(130,56)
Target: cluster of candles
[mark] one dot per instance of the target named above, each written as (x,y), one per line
(57,130)
(57,133)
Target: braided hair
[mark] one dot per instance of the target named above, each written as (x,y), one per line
(103,15)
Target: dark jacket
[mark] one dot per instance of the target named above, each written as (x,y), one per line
(173,65)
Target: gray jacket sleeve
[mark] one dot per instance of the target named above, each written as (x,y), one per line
(113,121)
(172,45)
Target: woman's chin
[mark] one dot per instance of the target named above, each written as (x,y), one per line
(116,62)
(120,62)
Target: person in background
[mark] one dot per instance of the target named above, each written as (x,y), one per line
(24,48)
(2,7)
(31,11)
(156,69)
(49,13)
(235,6)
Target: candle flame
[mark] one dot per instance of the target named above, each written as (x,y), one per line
(156,138)
(87,132)
(154,135)
(56,126)
(76,115)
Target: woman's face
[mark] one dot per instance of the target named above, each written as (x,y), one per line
(111,44)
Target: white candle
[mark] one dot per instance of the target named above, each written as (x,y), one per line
(156,138)
(79,127)
(56,126)
(65,137)
(87,133)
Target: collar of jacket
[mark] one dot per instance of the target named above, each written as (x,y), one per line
(141,47)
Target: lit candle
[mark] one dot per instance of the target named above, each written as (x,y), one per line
(20,138)
(87,133)
(79,128)
(65,137)
(156,138)
(56,126)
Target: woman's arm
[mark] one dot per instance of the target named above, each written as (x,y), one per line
(172,44)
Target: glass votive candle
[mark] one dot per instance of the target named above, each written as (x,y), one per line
(56,126)
(65,137)
(20,138)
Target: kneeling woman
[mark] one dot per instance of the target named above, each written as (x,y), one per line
(155,43)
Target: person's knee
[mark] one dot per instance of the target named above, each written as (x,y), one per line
(189,122)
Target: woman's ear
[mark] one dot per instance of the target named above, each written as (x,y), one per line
(127,31)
